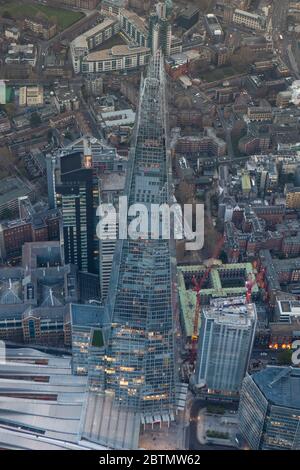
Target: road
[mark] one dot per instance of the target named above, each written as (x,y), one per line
(284,45)
(227,131)
(293,61)
(86,110)
(271,355)
(279,16)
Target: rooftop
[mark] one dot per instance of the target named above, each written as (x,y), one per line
(118,118)
(115,51)
(114,181)
(46,414)
(11,188)
(280,385)
(247,13)
(87,315)
(189,11)
(235,312)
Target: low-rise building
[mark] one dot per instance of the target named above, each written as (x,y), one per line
(81,4)
(25,54)
(283,99)
(115,119)
(42,402)
(31,95)
(207,143)
(41,226)
(11,32)
(34,296)
(259,113)
(5,124)
(214,28)
(65,99)
(250,20)
(11,189)
(118,58)
(292,196)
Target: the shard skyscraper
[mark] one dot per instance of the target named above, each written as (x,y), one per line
(136,375)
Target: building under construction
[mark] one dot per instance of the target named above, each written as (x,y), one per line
(224,280)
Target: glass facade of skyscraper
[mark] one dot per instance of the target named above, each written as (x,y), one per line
(269,410)
(139,361)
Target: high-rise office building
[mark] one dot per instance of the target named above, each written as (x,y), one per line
(77,195)
(138,368)
(269,409)
(112,186)
(160,31)
(225,343)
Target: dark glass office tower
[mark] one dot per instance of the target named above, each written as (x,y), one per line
(74,196)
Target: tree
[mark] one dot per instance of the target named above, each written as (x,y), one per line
(35,120)
(242,58)
(7,14)
(197,66)
(285,357)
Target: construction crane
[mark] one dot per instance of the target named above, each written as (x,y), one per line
(250,283)
(197,288)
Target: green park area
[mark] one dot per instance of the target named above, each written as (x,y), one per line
(17,9)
